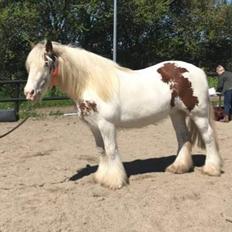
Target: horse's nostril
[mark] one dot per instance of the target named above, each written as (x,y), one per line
(32,92)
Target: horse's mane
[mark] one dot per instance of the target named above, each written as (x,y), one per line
(80,70)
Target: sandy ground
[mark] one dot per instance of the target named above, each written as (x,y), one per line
(46,182)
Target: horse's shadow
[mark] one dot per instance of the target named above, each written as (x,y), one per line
(141,166)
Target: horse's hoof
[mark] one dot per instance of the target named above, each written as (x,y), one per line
(178,169)
(111,184)
(211,170)
(113,187)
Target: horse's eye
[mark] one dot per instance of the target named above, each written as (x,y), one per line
(46,64)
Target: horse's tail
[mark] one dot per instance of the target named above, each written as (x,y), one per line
(195,135)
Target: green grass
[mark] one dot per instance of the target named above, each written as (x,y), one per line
(30,109)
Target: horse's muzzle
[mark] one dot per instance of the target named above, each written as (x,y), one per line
(32,95)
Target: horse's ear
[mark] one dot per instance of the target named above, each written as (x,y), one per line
(48,47)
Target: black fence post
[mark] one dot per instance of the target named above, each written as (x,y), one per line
(17,100)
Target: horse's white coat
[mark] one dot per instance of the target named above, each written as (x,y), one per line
(109,96)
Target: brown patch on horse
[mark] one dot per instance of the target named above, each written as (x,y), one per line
(87,107)
(181,87)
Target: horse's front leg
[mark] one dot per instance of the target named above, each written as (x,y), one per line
(98,139)
(110,172)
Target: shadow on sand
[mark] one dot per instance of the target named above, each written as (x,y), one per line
(141,166)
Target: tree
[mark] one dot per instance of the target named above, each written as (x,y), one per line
(148,31)
(198,32)
(15,32)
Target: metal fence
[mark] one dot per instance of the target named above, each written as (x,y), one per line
(17,99)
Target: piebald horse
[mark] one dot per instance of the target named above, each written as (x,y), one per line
(109,96)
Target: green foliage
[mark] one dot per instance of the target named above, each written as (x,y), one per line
(149,31)
(17,23)
(201,32)
(212,81)
(139,28)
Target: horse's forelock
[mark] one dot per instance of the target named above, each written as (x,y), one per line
(35,57)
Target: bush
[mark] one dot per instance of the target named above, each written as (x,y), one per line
(212,81)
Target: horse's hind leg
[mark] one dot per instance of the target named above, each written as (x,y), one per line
(183,162)
(110,172)
(213,162)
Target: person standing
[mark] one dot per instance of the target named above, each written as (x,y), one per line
(225,86)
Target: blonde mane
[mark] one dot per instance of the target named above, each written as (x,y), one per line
(80,70)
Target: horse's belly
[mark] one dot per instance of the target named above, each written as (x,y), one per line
(136,122)
(144,99)
(144,112)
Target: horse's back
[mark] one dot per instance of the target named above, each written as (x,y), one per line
(194,74)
